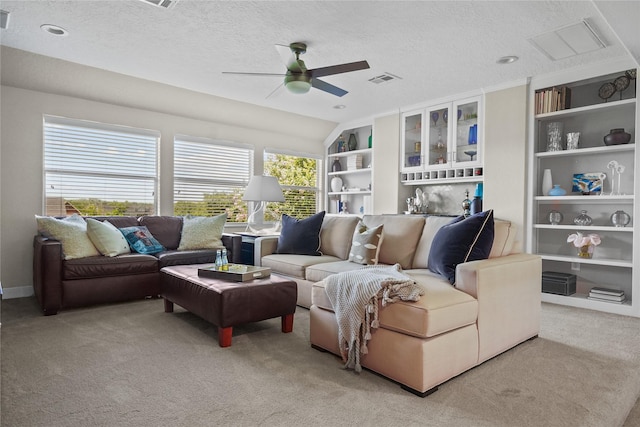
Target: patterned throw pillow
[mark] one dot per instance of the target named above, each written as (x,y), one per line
(365,244)
(462,240)
(202,232)
(71,232)
(107,238)
(141,240)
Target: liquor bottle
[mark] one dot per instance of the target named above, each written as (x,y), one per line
(225,261)
(371,139)
(219,260)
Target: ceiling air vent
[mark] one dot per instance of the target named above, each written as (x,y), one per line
(165,4)
(568,41)
(382,78)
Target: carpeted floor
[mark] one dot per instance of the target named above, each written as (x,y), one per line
(132,364)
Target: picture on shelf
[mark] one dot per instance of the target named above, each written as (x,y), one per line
(588,183)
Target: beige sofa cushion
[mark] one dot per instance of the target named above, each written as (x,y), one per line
(400,237)
(294,265)
(318,272)
(442,308)
(336,234)
(504,236)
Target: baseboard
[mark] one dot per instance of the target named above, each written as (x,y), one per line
(17,292)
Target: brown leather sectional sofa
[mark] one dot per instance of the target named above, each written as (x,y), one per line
(62,284)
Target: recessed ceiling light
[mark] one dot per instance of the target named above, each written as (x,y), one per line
(507,59)
(340,107)
(54,29)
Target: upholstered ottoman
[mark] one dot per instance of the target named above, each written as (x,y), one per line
(227,304)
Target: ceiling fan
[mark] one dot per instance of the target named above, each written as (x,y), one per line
(299,79)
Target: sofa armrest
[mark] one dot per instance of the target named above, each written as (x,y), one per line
(47,273)
(264,246)
(508,292)
(233,243)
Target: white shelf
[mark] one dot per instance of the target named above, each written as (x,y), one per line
(443,180)
(571,112)
(338,193)
(581,301)
(569,227)
(351,153)
(596,261)
(350,172)
(596,199)
(605,149)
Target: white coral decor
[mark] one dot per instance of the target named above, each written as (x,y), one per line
(580,239)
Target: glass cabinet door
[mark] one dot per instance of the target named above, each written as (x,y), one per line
(467,135)
(412,147)
(438,135)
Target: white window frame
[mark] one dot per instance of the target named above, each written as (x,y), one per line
(98,170)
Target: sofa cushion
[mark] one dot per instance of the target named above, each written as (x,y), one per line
(294,265)
(107,238)
(141,240)
(166,229)
(318,272)
(503,237)
(401,235)
(300,236)
(202,232)
(197,256)
(335,234)
(365,244)
(442,308)
(462,240)
(102,266)
(71,232)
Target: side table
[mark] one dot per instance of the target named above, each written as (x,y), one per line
(248,246)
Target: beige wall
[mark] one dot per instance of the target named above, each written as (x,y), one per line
(505,164)
(386,161)
(34,85)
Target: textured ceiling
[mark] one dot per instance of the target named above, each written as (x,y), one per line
(437,48)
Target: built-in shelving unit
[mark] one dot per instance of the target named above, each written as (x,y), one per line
(615,262)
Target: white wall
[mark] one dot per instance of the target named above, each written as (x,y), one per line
(33,85)
(386,164)
(505,160)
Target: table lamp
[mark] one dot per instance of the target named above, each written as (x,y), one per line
(263,189)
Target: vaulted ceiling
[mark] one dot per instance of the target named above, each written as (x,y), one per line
(432,49)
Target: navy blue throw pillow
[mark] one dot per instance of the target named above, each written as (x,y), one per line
(300,236)
(462,240)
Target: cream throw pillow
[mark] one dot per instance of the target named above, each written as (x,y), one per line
(107,238)
(202,232)
(365,244)
(71,232)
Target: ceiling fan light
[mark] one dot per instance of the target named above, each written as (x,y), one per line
(297,83)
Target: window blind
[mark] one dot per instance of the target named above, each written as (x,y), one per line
(210,177)
(98,169)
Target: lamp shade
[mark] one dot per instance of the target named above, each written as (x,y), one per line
(263,189)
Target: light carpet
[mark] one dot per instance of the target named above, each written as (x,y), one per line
(131,364)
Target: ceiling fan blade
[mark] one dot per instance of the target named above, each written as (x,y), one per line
(322,85)
(254,74)
(288,57)
(338,69)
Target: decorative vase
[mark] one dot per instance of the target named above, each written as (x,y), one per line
(583,220)
(620,218)
(336,166)
(434,117)
(554,136)
(555,217)
(547,182)
(336,184)
(616,137)
(353,143)
(586,251)
(557,191)
(572,140)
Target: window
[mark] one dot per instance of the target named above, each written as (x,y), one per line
(299,178)
(210,177)
(98,169)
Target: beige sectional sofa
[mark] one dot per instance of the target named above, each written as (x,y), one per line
(494,305)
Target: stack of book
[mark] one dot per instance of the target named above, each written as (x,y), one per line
(608,295)
(354,162)
(552,99)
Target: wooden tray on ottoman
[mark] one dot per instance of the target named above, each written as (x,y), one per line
(236,273)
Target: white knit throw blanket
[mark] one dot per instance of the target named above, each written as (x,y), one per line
(354,296)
